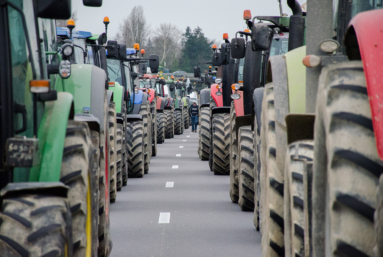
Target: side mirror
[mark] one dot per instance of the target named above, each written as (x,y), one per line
(134,75)
(92,3)
(154,63)
(216,61)
(197,72)
(238,48)
(52,9)
(261,36)
(142,68)
(225,54)
(121,52)
(112,48)
(101,39)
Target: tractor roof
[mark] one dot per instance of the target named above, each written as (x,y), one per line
(64,32)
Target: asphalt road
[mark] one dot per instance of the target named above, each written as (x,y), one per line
(200,219)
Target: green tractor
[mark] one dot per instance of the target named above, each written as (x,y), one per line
(52,159)
(176,105)
(185,103)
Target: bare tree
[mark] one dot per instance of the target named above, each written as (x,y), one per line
(134,28)
(167,42)
(62,23)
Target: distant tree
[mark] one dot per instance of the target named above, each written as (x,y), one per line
(196,49)
(62,23)
(134,28)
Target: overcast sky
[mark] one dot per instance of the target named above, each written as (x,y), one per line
(214,17)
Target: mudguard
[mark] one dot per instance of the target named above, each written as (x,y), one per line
(133,117)
(244,120)
(87,85)
(51,135)
(152,95)
(118,96)
(139,99)
(204,97)
(93,121)
(164,103)
(217,110)
(170,103)
(363,41)
(218,99)
(45,188)
(238,104)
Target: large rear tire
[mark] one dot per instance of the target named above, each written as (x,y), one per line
(35,225)
(135,149)
(346,164)
(145,121)
(234,189)
(169,124)
(245,169)
(204,133)
(271,202)
(187,118)
(212,106)
(161,122)
(178,122)
(153,111)
(112,151)
(119,155)
(294,200)
(221,144)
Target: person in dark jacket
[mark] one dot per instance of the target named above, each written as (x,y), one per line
(193,112)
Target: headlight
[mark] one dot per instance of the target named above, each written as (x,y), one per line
(329,45)
(235,86)
(235,96)
(64,69)
(218,80)
(218,93)
(67,50)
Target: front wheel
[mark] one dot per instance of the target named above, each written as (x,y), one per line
(136,156)
(221,144)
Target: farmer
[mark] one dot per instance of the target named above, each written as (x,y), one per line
(193,112)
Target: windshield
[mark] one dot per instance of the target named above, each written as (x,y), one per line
(114,70)
(279,45)
(240,70)
(159,89)
(364,5)
(78,52)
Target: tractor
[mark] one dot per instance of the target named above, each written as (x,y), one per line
(54,159)
(185,103)
(177,106)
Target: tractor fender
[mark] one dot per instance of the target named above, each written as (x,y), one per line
(204,105)
(257,103)
(218,99)
(93,121)
(170,103)
(133,117)
(51,134)
(109,96)
(118,96)
(159,101)
(363,42)
(45,188)
(152,95)
(217,110)
(204,96)
(139,98)
(164,102)
(244,120)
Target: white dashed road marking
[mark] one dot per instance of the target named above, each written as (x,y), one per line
(181,146)
(178,155)
(184,140)
(175,167)
(169,184)
(187,136)
(164,217)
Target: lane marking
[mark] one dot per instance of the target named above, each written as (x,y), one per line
(175,167)
(169,184)
(181,146)
(187,136)
(164,218)
(184,140)
(178,155)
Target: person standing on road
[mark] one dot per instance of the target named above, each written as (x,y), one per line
(193,112)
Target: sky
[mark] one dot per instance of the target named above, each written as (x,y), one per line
(214,17)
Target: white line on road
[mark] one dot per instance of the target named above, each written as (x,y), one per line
(164,217)
(169,184)
(181,146)
(187,136)
(175,167)
(184,140)
(178,155)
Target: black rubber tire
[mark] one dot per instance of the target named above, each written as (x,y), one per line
(145,119)
(161,122)
(378,219)
(124,158)
(212,105)
(169,124)
(35,225)
(257,171)
(150,134)
(271,202)
(119,132)
(135,149)
(187,118)
(153,110)
(298,153)
(204,133)
(221,144)
(245,169)
(173,120)
(78,172)
(234,189)
(177,122)
(112,151)
(346,164)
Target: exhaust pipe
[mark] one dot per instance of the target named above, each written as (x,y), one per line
(297,25)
